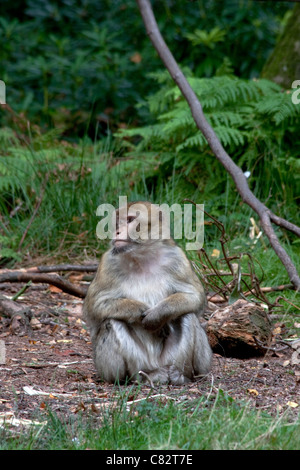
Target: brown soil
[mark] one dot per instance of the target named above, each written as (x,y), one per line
(53,357)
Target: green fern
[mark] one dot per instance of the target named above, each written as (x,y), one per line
(254,119)
(207,38)
(280,110)
(234,107)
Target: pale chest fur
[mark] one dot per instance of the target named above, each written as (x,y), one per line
(147,288)
(149,283)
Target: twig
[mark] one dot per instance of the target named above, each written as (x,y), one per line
(141,372)
(273,289)
(21,291)
(286,300)
(218,150)
(269,348)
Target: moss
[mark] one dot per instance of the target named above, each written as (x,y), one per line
(283,66)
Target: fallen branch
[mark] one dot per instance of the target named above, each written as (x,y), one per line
(54,268)
(265,215)
(55,280)
(242,329)
(273,289)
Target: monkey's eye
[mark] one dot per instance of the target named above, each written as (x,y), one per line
(130,219)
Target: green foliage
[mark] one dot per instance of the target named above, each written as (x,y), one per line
(207,38)
(255,121)
(86,62)
(72,181)
(153,424)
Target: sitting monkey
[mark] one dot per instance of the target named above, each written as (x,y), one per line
(143,306)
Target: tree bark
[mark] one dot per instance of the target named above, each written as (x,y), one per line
(283,65)
(236,173)
(239,330)
(54,280)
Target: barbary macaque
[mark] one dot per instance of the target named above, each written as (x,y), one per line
(144,304)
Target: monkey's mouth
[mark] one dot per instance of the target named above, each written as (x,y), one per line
(121,242)
(123,245)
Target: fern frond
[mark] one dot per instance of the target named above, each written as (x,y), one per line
(229,136)
(7,137)
(197,140)
(280,110)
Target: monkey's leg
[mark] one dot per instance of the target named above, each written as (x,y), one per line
(121,351)
(202,357)
(186,351)
(109,363)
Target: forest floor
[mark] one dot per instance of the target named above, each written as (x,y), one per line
(48,364)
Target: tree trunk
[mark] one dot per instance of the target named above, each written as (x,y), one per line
(283,65)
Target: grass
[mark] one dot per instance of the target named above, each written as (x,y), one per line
(76,179)
(156,424)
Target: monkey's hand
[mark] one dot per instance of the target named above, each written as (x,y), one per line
(128,310)
(153,320)
(169,309)
(123,309)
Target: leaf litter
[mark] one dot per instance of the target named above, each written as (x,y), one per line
(50,366)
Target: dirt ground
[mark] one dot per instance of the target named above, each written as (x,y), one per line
(48,363)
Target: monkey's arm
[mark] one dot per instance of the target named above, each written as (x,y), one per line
(171,308)
(99,308)
(105,298)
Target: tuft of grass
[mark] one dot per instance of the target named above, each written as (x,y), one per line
(160,424)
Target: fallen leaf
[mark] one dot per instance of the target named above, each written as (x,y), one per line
(292,404)
(79,407)
(35,324)
(52,396)
(94,409)
(295,357)
(215,253)
(277,331)
(54,289)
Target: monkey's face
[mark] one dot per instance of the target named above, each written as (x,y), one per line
(122,241)
(137,224)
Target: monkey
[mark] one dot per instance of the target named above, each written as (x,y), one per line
(144,304)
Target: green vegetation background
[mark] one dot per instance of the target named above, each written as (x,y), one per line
(92,115)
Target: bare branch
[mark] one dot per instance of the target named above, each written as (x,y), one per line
(55,280)
(236,173)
